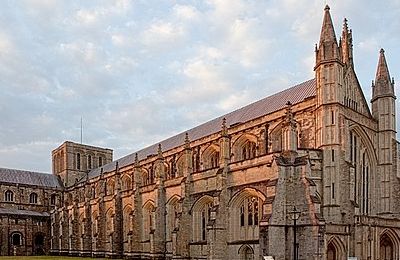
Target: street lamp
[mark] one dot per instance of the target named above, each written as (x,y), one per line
(294,215)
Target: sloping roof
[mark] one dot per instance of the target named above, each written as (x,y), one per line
(268,105)
(8,211)
(29,178)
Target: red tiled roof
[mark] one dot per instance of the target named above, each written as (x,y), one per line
(270,104)
(13,176)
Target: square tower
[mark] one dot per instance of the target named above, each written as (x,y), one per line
(72,161)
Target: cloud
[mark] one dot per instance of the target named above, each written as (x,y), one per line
(140,71)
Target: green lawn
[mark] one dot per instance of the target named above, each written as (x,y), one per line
(41,257)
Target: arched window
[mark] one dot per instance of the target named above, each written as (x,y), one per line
(201,215)
(33,198)
(172,211)
(100,161)
(246,253)
(172,168)
(248,150)
(110,187)
(148,220)
(53,199)
(386,248)
(78,161)
(331,254)
(210,157)
(9,196)
(245,211)
(145,178)
(89,162)
(127,224)
(126,183)
(16,239)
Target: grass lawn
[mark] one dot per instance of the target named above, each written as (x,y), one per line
(42,257)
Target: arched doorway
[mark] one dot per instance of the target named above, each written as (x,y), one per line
(386,248)
(246,253)
(39,244)
(331,254)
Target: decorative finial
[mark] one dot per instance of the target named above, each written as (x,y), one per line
(289,114)
(159,152)
(136,159)
(327,8)
(382,51)
(116,166)
(393,80)
(187,141)
(373,84)
(224,128)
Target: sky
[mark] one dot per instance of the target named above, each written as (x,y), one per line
(140,71)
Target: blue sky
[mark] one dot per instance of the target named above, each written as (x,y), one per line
(140,71)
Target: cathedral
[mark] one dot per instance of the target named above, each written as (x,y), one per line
(308,173)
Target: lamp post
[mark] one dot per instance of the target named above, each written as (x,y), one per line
(295,215)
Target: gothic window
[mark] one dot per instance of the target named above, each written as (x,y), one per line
(126,183)
(145,178)
(386,248)
(249,215)
(127,223)
(180,166)
(95,224)
(110,221)
(205,217)
(33,198)
(151,175)
(148,220)
(364,185)
(246,253)
(201,214)
(172,211)
(9,196)
(172,168)
(89,161)
(211,157)
(248,150)
(245,211)
(110,187)
(331,254)
(78,161)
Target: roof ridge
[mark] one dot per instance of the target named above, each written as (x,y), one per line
(25,171)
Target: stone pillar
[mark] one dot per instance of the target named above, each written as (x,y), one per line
(159,247)
(117,246)
(181,234)
(137,217)
(217,225)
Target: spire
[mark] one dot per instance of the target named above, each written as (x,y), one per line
(328,47)
(347,44)
(327,31)
(383,84)
(224,129)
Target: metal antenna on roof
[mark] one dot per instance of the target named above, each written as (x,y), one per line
(81,130)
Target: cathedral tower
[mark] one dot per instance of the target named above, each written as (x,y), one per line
(383,110)
(72,161)
(329,83)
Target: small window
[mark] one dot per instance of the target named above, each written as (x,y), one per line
(9,196)
(333,190)
(100,161)
(89,162)
(78,161)
(33,198)
(16,239)
(333,155)
(53,199)
(332,117)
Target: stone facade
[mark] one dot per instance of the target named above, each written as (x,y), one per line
(26,199)
(233,187)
